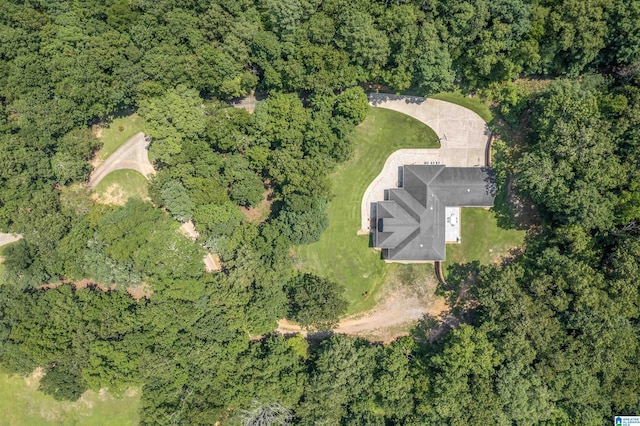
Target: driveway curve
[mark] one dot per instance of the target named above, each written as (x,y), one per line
(464,138)
(133,154)
(8,238)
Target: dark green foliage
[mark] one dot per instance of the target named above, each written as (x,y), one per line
(315,302)
(217,219)
(173,117)
(105,269)
(623,47)
(462,380)
(551,336)
(227,129)
(367,46)
(352,105)
(572,167)
(303,220)
(340,382)
(126,230)
(62,382)
(247,190)
(74,150)
(83,323)
(281,121)
(176,200)
(433,64)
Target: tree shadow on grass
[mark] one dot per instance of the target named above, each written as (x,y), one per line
(512,212)
(460,278)
(378,98)
(106,120)
(431,329)
(459,295)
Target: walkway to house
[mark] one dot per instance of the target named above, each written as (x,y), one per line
(463,142)
(133,154)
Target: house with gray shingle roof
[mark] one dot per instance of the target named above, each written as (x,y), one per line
(415,221)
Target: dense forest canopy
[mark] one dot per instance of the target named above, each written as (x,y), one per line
(550,336)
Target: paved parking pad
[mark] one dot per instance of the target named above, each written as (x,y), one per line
(463,134)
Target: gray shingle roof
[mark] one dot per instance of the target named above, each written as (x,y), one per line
(410,223)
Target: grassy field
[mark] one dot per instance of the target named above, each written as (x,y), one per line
(21,404)
(482,239)
(120,185)
(474,104)
(112,137)
(340,254)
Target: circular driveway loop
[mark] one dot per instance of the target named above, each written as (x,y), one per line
(463,134)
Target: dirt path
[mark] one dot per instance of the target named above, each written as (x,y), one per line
(142,290)
(400,307)
(211,261)
(188,229)
(133,154)
(249,103)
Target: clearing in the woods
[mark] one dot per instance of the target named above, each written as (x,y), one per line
(21,403)
(341,255)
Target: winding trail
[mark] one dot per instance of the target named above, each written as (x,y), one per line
(133,154)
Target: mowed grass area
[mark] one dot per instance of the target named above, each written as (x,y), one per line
(341,255)
(482,239)
(476,105)
(120,185)
(21,404)
(112,137)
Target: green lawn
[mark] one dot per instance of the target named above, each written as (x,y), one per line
(112,137)
(340,254)
(482,239)
(474,104)
(21,404)
(120,185)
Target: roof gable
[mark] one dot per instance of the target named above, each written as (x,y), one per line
(411,220)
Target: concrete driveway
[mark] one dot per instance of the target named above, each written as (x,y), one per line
(463,134)
(9,238)
(133,154)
